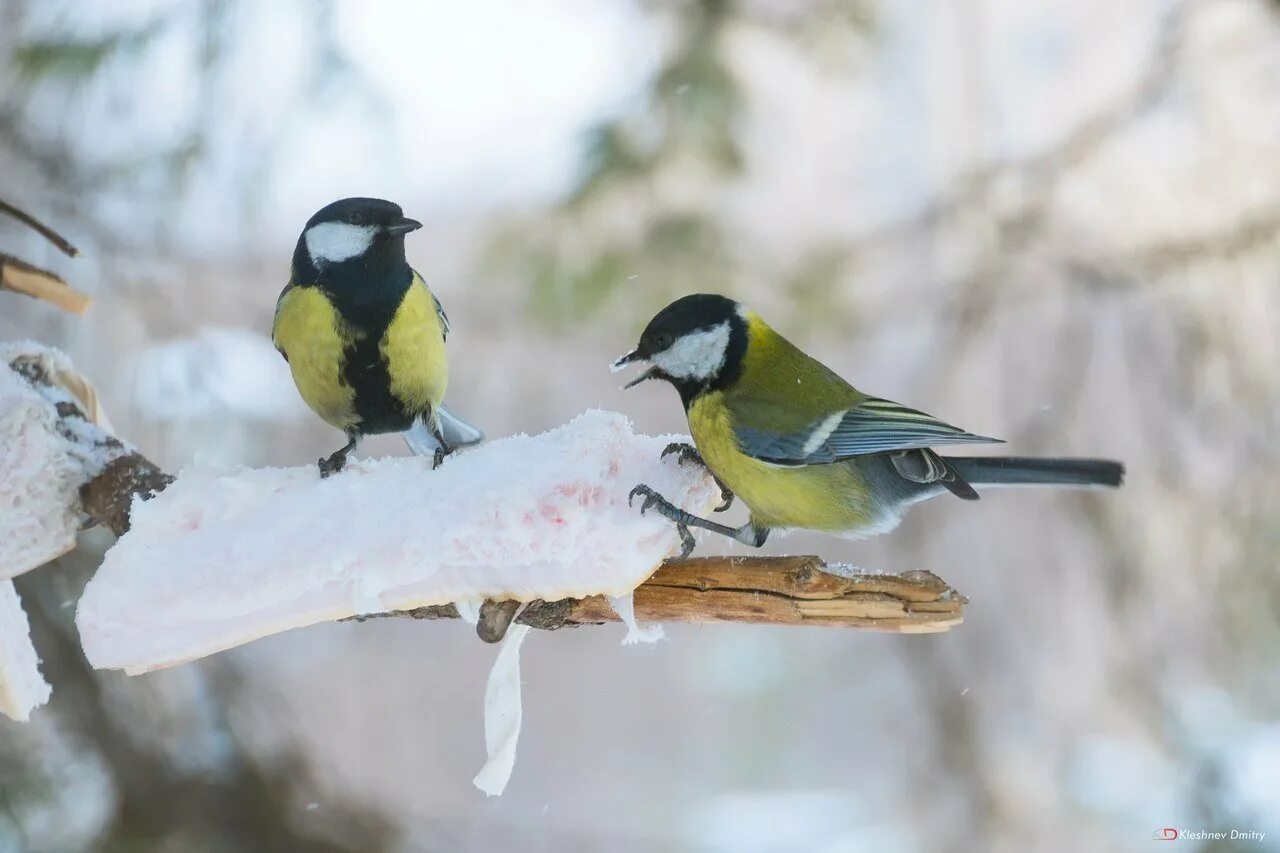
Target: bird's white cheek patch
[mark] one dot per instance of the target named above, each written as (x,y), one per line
(699,355)
(332,242)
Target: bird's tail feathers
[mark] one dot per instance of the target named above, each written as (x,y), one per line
(456,431)
(1036,471)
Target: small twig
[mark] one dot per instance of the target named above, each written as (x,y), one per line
(30,280)
(40,228)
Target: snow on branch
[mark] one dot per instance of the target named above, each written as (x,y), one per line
(532,506)
(49,448)
(60,467)
(59,459)
(223,557)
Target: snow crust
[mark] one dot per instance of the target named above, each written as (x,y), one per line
(223,557)
(41,467)
(22,688)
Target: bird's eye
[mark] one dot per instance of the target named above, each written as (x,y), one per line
(663,341)
(357,218)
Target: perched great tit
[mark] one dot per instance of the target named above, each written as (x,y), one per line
(799,445)
(363,335)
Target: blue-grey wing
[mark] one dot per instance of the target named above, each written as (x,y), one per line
(444,318)
(873,426)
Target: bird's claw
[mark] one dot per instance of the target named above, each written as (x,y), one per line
(684,451)
(669,511)
(650,497)
(438,457)
(687,542)
(331,465)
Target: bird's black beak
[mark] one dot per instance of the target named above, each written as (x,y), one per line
(403,226)
(631,358)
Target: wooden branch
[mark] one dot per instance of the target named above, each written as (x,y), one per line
(21,277)
(761,590)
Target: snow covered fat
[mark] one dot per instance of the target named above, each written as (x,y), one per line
(224,557)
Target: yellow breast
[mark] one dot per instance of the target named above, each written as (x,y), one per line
(313,337)
(413,348)
(819,497)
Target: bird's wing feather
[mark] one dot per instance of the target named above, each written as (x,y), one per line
(872,426)
(444,318)
(275,318)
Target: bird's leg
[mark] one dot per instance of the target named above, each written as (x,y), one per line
(335,463)
(444,449)
(686,452)
(747,534)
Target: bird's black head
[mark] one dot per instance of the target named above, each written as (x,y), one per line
(696,343)
(363,232)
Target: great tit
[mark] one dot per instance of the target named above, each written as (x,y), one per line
(800,446)
(363,335)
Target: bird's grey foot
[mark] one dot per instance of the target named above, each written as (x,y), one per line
(442,451)
(686,452)
(746,534)
(668,510)
(336,461)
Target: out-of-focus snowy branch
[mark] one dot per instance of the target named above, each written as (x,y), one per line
(22,277)
(105,497)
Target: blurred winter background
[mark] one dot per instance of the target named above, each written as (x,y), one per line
(1057,221)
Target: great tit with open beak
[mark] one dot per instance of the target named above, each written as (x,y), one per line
(363,335)
(800,446)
